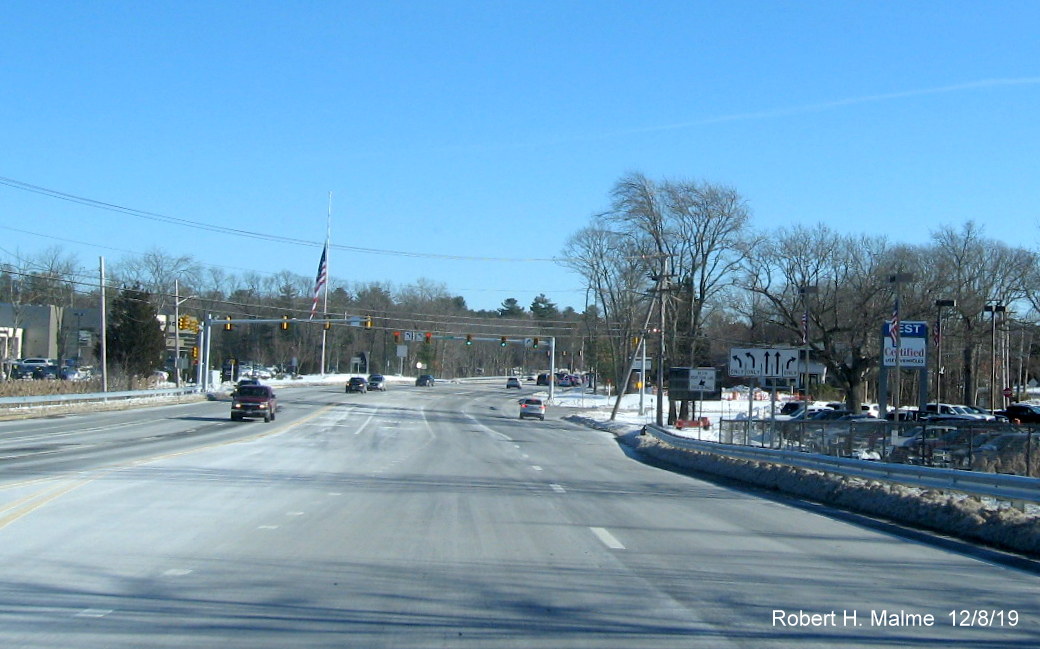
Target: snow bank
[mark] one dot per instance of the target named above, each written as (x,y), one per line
(966,517)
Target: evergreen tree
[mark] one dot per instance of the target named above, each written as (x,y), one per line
(543,309)
(510,309)
(135,339)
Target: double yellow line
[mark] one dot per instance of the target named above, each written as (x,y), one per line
(28,504)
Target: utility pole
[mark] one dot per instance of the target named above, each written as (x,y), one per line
(662,286)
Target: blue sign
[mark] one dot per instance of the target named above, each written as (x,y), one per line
(907,329)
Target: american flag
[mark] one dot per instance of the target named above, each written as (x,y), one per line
(893,326)
(805,327)
(319,281)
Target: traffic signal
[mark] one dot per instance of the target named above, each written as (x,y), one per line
(368,322)
(469,339)
(285,323)
(534,343)
(227,324)
(503,341)
(327,325)
(182,323)
(397,337)
(427,337)
(194,353)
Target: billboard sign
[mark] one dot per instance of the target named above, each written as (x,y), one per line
(913,345)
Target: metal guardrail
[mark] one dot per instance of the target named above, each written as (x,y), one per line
(45,399)
(995,485)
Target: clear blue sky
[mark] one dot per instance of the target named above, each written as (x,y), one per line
(492,131)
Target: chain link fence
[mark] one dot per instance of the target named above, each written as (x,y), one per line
(992,447)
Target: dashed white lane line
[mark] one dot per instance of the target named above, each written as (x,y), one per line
(557,488)
(94,612)
(607,538)
(536,467)
(177,572)
(267,527)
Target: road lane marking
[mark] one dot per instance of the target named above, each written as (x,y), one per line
(32,502)
(267,527)
(94,612)
(607,538)
(557,488)
(536,467)
(178,572)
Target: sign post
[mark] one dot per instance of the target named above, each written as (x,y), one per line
(911,354)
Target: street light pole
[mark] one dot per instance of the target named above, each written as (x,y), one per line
(895,335)
(805,291)
(939,304)
(994,307)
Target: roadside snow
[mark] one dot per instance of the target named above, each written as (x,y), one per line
(967,517)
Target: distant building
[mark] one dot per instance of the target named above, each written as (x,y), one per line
(48,331)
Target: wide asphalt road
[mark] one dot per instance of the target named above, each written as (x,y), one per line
(433,517)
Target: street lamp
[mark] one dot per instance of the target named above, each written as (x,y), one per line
(177,301)
(939,304)
(994,307)
(804,292)
(897,279)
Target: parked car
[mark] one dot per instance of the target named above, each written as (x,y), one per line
(532,408)
(425,380)
(376,382)
(1021,413)
(829,414)
(919,446)
(357,384)
(513,382)
(35,368)
(1005,446)
(254,401)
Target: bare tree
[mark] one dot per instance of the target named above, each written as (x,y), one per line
(852,297)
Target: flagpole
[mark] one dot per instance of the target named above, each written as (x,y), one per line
(325,307)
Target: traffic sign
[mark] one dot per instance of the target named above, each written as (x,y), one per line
(1008,392)
(764,362)
(690,383)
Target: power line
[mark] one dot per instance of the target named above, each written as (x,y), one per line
(249,234)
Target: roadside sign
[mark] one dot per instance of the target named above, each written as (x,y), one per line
(913,345)
(690,383)
(764,362)
(1008,392)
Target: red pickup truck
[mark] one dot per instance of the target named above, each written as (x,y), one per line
(254,401)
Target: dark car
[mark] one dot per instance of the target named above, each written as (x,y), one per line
(376,382)
(357,384)
(424,380)
(1021,413)
(829,414)
(254,402)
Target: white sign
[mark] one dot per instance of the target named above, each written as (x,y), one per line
(764,362)
(702,380)
(913,345)
(402,351)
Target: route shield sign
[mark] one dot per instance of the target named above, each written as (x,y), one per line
(764,362)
